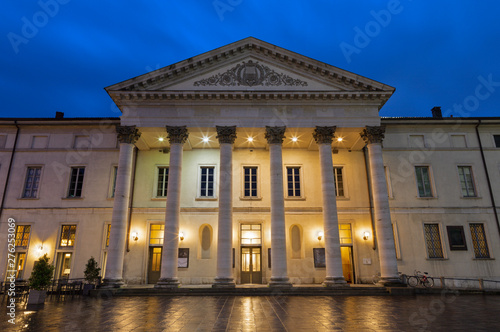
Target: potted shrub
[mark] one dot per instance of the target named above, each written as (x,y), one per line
(91,275)
(39,280)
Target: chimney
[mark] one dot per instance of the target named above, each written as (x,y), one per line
(59,115)
(436,112)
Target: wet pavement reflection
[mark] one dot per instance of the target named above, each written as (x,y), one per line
(445,312)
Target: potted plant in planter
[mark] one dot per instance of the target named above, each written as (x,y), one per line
(39,280)
(91,275)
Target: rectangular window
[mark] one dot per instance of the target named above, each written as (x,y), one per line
(108,230)
(466,181)
(22,235)
(162,184)
(433,241)
(76,182)
(20,263)
(456,237)
(67,236)
(156,235)
(113,181)
(338,179)
(423,181)
(31,185)
(497,140)
(293,181)
(207,181)
(251,234)
(250,181)
(345,234)
(479,241)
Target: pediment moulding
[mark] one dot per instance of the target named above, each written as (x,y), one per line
(241,49)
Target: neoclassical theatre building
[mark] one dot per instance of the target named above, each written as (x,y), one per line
(251,164)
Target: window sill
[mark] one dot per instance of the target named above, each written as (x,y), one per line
(205,199)
(250,198)
(28,198)
(343,198)
(470,197)
(295,198)
(72,198)
(436,259)
(426,198)
(483,259)
(159,198)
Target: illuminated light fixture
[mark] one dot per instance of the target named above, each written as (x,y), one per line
(294,139)
(205,139)
(366,235)
(339,139)
(39,250)
(250,139)
(160,139)
(320,235)
(181,236)
(67,255)
(135,236)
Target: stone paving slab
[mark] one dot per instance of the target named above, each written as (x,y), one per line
(447,311)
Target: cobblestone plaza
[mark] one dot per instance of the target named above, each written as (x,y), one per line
(445,312)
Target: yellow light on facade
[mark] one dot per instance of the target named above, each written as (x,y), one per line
(320,235)
(181,236)
(366,235)
(135,236)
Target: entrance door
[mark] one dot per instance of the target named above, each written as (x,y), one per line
(347,266)
(251,272)
(154,266)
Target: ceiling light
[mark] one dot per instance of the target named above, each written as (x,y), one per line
(250,139)
(205,139)
(160,139)
(339,139)
(294,139)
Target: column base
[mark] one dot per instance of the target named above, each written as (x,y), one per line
(335,282)
(221,282)
(112,283)
(390,282)
(280,282)
(168,283)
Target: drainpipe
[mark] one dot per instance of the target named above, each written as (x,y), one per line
(487,176)
(370,197)
(8,171)
(131,199)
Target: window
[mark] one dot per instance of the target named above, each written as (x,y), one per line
(433,241)
(156,234)
(114,173)
(67,236)
(22,235)
(345,234)
(207,181)
(423,181)
(456,237)
(466,181)
(76,182)
(20,264)
(108,230)
(496,138)
(250,182)
(293,181)
(251,234)
(479,241)
(162,184)
(31,185)
(338,179)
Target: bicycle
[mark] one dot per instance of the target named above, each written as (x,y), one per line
(420,279)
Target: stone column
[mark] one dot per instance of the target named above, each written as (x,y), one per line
(224,279)
(168,278)
(373,137)
(127,136)
(334,275)
(279,276)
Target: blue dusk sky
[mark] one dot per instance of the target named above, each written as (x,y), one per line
(59,55)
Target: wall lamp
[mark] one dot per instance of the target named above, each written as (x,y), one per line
(135,236)
(366,235)
(320,235)
(181,236)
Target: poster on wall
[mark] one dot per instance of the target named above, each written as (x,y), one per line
(319,257)
(183,259)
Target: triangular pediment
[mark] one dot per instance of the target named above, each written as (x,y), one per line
(250,65)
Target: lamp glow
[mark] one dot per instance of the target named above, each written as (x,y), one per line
(135,236)
(181,236)
(160,139)
(294,139)
(250,139)
(366,235)
(205,139)
(339,139)
(320,235)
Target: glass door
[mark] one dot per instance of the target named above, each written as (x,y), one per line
(251,259)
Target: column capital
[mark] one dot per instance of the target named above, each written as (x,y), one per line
(324,135)
(127,134)
(177,134)
(373,134)
(275,135)
(226,134)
